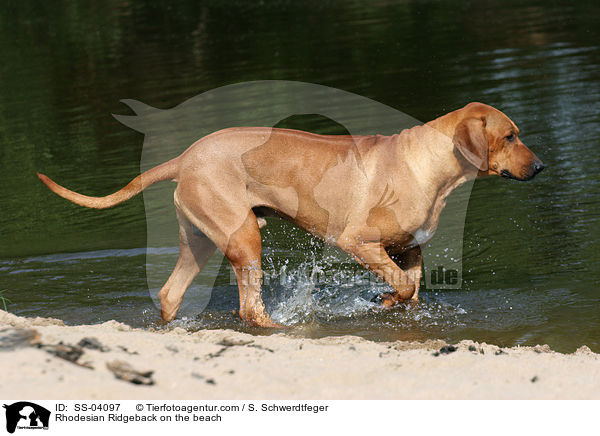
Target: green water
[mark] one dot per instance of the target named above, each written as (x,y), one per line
(531,250)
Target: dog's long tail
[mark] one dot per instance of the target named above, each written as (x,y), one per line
(165,171)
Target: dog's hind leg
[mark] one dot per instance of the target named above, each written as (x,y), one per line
(244,253)
(221,213)
(194,251)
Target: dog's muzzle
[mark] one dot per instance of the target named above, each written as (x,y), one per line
(535,168)
(538,166)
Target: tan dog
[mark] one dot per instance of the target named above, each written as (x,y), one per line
(378,198)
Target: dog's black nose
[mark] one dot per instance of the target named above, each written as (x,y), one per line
(538,166)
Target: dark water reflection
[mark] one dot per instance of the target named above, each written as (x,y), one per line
(532,251)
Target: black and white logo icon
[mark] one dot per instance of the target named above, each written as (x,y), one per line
(26,415)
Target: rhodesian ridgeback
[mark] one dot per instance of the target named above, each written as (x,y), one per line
(378,198)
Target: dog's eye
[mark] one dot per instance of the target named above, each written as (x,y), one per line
(511,137)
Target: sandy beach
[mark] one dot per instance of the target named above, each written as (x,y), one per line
(44,359)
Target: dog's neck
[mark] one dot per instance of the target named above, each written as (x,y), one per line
(440,169)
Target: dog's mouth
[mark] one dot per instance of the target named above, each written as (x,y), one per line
(508,175)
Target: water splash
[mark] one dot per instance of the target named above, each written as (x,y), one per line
(320,289)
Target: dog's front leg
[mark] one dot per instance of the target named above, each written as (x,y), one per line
(409,261)
(373,256)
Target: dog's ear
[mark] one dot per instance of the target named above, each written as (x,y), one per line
(471,140)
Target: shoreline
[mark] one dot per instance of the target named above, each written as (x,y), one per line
(47,360)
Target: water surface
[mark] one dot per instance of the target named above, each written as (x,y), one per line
(531,250)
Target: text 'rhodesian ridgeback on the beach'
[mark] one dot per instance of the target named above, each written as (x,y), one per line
(378,198)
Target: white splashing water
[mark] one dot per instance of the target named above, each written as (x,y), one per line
(320,289)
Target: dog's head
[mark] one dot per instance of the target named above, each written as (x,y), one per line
(488,139)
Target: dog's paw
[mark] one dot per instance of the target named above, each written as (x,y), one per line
(266,323)
(385,300)
(261,319)
(376,299)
